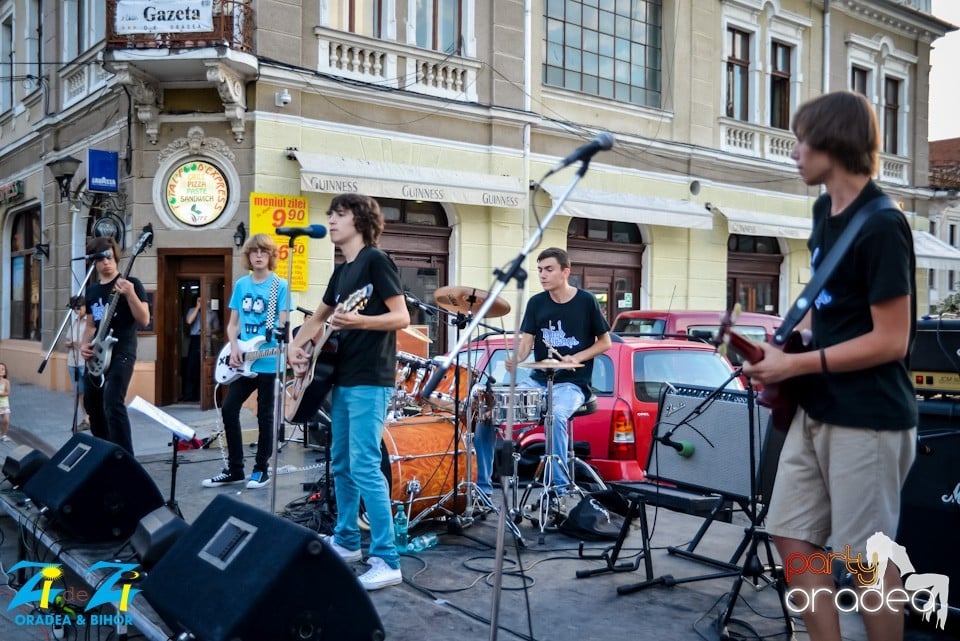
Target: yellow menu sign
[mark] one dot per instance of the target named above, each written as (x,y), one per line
(269,211)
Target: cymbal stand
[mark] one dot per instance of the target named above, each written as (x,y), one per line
(514,271)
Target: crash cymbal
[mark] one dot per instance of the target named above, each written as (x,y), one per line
(468,300)
(417,334)
(550,363)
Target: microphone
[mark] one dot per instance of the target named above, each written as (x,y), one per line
(106,253)
(683,448)
(416,302)
(601,142)
(313,231)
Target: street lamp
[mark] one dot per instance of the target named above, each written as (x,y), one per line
(240,235)
(63,170)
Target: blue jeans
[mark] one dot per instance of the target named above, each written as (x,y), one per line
(484,439)
(357,418)
(567,399)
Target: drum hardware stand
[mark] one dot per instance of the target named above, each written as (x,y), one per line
(546,470)
(514,271)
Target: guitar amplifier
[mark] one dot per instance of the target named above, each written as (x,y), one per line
(709,449)
(935,358)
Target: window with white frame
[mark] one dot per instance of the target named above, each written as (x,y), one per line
(882,73)
(952,235)
(32,51)
(891,115)
(780,65)
(84,25)
(605,48)
(439,25)
(738,74)
(859,80)
(762,62)
(7,65)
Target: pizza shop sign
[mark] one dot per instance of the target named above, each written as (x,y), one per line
(173,16)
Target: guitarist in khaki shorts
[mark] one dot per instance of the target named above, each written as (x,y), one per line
(853,440)
(105,400)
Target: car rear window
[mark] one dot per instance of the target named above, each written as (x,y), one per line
(653,368)
(640,326)
(755,333)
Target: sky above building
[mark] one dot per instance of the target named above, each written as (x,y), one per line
(944,88)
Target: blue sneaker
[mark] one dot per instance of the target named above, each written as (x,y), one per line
(258,479)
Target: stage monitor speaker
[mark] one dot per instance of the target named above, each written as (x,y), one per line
(930,507)
(710,443)
(93,490)
(22,463)
(155,534)
(254,576)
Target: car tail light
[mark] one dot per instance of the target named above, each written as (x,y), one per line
(622,436)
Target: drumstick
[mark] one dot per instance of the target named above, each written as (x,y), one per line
(552,350)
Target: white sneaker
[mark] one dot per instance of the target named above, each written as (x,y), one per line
(380,575)
(342,552)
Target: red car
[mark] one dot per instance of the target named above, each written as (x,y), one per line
(627,380)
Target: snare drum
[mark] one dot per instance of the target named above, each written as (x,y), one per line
(527,404)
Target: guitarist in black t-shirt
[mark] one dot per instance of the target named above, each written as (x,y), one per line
(851,444)
(105,396)
(363,380)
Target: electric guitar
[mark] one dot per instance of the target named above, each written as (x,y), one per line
(224,373)
(314,381)
(777,397)
(104,340)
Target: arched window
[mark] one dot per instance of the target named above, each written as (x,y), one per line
(753,273)
(605,259)
(25,276)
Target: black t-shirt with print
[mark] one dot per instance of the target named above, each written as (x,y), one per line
(124,327)
(365,357)
(569,327)
(879,266)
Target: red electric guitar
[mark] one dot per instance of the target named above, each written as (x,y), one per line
(777,397)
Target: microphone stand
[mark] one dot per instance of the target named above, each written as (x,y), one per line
(515,271)
(56,339)
(281,332)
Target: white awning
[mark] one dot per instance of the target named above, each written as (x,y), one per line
(631,208)
(933,253)
(334,174)
(758,223)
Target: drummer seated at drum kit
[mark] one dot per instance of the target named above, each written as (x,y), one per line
(565,329)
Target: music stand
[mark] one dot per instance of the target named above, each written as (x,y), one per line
(178,430)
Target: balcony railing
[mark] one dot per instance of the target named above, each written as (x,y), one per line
(750,139)
(376,61)
(232,28)
(894,169)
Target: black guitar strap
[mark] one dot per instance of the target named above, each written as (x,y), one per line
(826,268)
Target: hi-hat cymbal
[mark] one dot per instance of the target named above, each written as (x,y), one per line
(550,363)
(468,300)
(417,334)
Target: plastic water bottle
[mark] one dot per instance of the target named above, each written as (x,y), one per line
(423,542)
(400,524)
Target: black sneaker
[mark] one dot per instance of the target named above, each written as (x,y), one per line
(257,479)
(225,477)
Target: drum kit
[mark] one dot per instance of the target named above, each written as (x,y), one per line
(429,437)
